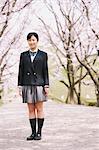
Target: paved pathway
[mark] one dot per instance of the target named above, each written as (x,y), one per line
(66,127)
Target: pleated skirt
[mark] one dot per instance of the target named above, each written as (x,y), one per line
(33,94)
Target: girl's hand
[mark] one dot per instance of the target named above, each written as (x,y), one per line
(20,91)
(46,91)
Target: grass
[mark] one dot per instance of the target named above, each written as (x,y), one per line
(58,92)
(89,102)
(1,102)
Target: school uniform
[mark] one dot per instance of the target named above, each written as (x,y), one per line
(33,75)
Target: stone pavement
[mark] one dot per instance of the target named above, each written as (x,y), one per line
(66,127)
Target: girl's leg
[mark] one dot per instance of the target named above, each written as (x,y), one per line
(32,119)
(39,108)
(40,119)
(31,109)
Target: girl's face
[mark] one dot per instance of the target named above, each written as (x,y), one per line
(33,42)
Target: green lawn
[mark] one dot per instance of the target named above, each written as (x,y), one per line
(1,103)
(58,92)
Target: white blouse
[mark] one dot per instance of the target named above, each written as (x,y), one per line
(32,57)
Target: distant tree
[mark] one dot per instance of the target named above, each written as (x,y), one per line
(62,37)
(12,24)
(71,33)
(93,39)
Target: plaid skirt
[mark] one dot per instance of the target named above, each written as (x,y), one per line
(33,94)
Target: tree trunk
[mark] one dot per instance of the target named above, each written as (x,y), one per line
(79,98)
(97,96)
(79,87)
(1,89)
(0,86)
(66,101)
(97,99)
(70,96)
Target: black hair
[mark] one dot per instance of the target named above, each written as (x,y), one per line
(32,34)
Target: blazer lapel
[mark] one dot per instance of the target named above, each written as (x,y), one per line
(32,64)
(36,57)
(29,57)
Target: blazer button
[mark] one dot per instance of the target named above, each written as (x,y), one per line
(28,73)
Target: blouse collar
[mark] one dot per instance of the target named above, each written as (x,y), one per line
(34,50)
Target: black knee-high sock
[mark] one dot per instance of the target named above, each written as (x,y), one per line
(33,125)
(40,124)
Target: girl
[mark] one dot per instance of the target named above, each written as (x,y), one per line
(33,82)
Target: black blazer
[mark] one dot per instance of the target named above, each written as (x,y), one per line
(33,73)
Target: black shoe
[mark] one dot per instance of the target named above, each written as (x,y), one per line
(37,136)
(31,137)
